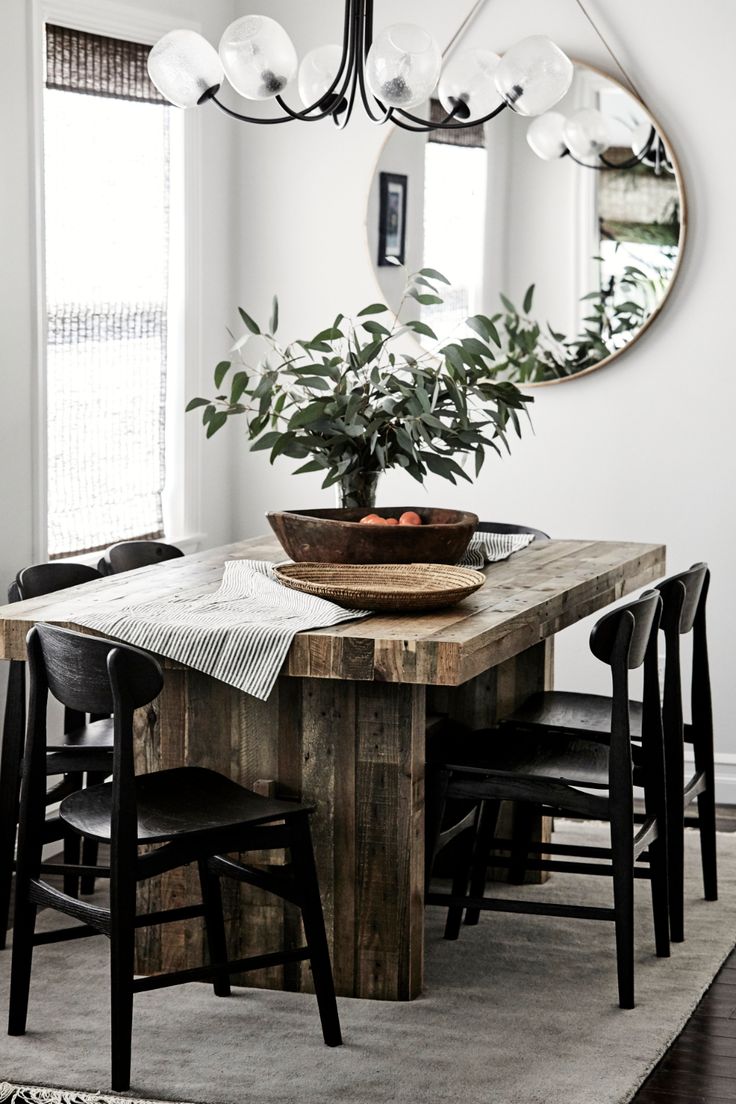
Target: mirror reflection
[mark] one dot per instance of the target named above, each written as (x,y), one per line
(570,257)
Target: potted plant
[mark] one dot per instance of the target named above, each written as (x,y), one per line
(351,403)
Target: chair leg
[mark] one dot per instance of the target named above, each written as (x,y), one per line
(72,851)
(24,925)
(707,828)
(122,956)
(89,846)
(464,861)
(484,837)
(305,875)
(523,822)
(623,900)
(12,751)
(660,895)
(214,923)
(676,869)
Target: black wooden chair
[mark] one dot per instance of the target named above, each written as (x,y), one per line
(87,745)
(129,555)
(189,814)
(507,527)
(684,599)
(562,774)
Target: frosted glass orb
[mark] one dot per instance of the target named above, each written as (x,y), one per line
(468,79)
(403,65)
(534,75)
(184,66)
(317,72)
(258,56)
(546,136)
(586,133)
(640,138)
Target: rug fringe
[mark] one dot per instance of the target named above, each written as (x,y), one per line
(39,1094)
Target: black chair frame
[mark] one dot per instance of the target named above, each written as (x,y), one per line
(95,675)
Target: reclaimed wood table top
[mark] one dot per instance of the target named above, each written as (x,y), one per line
(538,591)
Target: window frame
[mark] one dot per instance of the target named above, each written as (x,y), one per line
(182,497)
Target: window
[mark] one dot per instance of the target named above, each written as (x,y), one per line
(454,209)
(109,139)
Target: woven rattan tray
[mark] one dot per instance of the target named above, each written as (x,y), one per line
(389,587)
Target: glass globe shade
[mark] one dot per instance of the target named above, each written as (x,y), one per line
(546,136)
(184,66)
(468,79)
(317,72)
(534,75)
(258,57)
(586,133)
(403,65)
(640,138)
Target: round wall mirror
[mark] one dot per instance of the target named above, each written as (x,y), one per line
(570,262)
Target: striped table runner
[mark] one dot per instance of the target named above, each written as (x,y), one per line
(240,634)
(485,548)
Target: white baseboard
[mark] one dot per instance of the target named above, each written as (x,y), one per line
(725,764)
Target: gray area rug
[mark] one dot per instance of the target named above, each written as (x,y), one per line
(522,1010)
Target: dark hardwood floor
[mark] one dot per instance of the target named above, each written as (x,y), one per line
(700,1066)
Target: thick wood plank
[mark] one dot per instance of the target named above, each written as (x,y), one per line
(538,591)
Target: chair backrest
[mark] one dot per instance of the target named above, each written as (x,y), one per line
(87,674)
(625,639)
(684,598)
(129,555)
(75,668)
(507,527)
(34,582)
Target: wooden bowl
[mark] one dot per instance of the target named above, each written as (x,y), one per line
(335,536)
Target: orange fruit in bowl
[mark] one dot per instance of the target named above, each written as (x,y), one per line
(410,517)
(392,521)
(370,519)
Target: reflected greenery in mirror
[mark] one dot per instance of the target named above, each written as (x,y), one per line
(601,248)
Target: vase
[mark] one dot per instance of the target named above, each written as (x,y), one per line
(357,488)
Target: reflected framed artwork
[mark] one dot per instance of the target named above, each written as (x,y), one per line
(392,218)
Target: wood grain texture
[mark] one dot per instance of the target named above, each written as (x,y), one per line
(529,597)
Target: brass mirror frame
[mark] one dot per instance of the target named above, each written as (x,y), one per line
(680,241)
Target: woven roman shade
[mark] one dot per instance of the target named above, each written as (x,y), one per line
(77,61)
(473,136)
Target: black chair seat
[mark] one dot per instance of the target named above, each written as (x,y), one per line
(561,758)
(173,804)
(570,712)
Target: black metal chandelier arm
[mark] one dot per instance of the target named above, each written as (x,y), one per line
(364,40)
(427,124)
(265,120)
(345,63)
(425,129)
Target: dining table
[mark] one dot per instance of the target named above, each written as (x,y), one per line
(345,731)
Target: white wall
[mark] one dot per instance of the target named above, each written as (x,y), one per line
(641,450)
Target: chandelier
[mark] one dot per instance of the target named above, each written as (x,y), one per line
(585,134)
(392,73)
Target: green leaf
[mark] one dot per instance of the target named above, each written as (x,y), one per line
(332,333)
(239,384)
(274,322)
(315,382)
(216,422)
(266,441)
(421,328)
(221,371)
(374,308)
(252,326)
(308,414)
(376,328)
(507,303)
(425,300)
(433,274)
(194,403)
(311,466)
(527,305)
